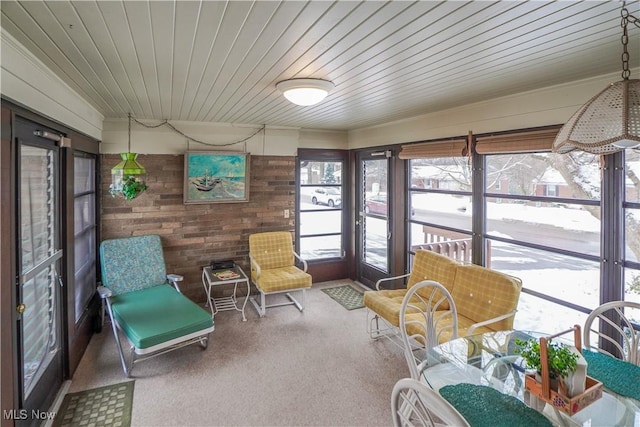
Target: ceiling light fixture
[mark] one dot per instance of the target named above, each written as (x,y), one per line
(305,91)
(610,121)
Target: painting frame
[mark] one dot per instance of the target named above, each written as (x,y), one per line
(216,177)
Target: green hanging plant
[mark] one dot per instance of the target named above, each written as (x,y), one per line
(131,188)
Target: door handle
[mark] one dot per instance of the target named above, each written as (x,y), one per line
(21,308)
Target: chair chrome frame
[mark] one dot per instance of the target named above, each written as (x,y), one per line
(377,326)
(261,307)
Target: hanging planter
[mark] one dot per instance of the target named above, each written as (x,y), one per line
(130,189)
(127,177)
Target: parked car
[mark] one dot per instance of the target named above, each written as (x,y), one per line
(376,205)
(327,196)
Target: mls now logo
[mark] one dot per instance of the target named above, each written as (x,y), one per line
(23,414)
(15,414)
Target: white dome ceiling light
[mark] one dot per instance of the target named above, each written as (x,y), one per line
(305,92)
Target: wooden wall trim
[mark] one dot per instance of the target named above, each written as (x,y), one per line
(8,394)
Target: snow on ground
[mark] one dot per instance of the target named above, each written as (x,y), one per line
(559,216)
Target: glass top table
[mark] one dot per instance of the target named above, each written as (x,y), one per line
(490,359)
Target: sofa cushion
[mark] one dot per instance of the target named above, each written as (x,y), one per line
(428,265)
(464,323)
(386,303)
(481,294)
(443,325)
(272,249)
(138,315)
(282,279)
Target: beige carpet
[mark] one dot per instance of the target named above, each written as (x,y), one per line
(316,368)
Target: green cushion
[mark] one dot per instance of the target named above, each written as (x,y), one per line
(132,263)
(156,315)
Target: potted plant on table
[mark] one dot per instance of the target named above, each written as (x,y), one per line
(562,361)
(564,366)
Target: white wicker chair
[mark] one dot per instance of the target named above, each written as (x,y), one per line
(614,332)
(415,404)
(427,312)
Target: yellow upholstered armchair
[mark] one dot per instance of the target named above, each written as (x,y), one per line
(274,270)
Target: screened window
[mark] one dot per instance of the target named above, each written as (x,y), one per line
(538,216)
(320,209)
(632,226)
(440,205)
(84,193)
(546,231)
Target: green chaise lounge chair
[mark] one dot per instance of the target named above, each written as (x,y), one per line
(145,303)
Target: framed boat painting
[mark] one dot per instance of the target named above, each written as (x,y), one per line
(216,177)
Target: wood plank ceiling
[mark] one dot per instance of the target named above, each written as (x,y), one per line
(216,61)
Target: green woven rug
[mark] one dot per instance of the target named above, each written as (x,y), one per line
(348,296)
(102,406)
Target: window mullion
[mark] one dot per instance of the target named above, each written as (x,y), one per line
(478,203)
(612,231)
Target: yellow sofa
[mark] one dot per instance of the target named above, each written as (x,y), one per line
(485,299)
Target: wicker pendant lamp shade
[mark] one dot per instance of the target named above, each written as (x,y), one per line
(610,121)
